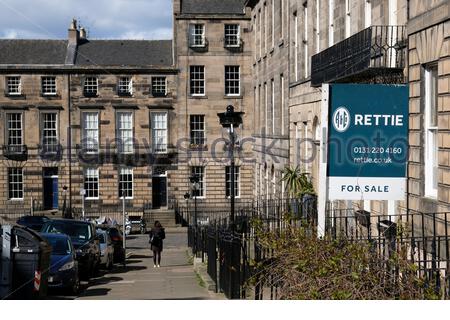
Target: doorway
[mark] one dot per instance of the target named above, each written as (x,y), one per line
(50,183)
(159,192)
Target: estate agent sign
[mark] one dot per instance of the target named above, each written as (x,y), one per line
(368,142)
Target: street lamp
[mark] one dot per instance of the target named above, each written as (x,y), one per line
(65,202)
(231,120)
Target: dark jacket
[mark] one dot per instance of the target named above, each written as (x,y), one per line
(156,237)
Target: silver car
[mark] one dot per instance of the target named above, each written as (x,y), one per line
(106,249)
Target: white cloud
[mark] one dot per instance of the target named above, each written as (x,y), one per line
(148,19)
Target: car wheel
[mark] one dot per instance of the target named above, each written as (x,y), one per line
(76,286)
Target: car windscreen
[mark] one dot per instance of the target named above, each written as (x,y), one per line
(60,246)
(35,219)
(77,231)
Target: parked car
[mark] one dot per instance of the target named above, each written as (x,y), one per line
(63,266)
(116,236)
(137,224)
(33,222)
(85,242)
(106,249)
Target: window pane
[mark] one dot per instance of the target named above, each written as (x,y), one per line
(197,35)
(14,129)
(159,86)
(90,85)
(232,35)
(91,177)
(49,85)
(198,130)
(15,183)
(14,85)
(232,80)
(197,77)
(90,131)
(125,131)
(159,131)
(199,172)
(126,182)
(49,132)
(125,86)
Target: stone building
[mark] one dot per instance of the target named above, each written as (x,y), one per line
(429,82)
(270,60)
(88,115)
(213,54)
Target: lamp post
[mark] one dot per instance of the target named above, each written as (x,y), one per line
(231,120)
(65,202)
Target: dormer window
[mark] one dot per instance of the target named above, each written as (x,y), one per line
(90,86)
(49,86)
(125,86)
(13,86)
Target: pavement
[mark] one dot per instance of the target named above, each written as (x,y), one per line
(176,279)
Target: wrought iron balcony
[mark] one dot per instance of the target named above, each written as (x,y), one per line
(375,51)
(51,151)
(16,152)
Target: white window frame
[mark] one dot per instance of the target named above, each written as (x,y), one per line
(49,86)
(14,85)
(331,22)
(431,131)
(10,129)
(348,19)
(195,73)
(49,142)
(159,86)
(197,35)
(159,140)
(232,37)
(125,86)
(197,129)
(317,26)
(368,13)
(272,102)
(125,132)
(237,174)
(126,171)
(89,185)
(202,181)
(90,86)
(231,81)
(15,186)
(90,132)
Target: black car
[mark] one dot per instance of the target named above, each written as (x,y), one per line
(117,239)
(33,222)
(84,239)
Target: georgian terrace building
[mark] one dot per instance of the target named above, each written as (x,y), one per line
(91,115)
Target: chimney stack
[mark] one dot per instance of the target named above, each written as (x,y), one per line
(83,35)
(74,33)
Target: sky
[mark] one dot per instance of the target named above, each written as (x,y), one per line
(103,19)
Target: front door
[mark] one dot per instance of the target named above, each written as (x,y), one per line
(159,187)
(50,177)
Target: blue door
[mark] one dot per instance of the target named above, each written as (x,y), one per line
(55,192)
(50,188)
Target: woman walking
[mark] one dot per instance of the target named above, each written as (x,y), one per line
(157,235)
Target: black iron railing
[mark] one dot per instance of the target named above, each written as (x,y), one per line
(370,52)
(16,152)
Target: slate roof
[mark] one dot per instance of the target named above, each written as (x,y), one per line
(213,6)
(39,52)
(113,53)
(125,53)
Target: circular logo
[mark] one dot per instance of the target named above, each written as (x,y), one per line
(341,119)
